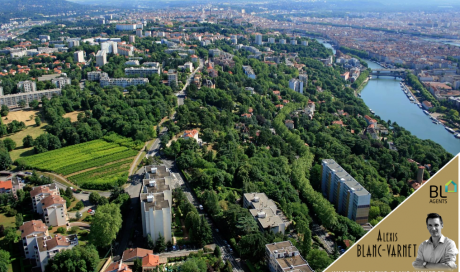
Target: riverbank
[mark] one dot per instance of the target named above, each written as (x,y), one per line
(361,87)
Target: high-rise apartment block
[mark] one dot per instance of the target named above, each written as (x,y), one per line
(110,47)
(296,85)
(132,39)
(259,39)
(156,201)
(101,58)
(341,189)
(304,79)
(172,77)
(78,56)
(271,40)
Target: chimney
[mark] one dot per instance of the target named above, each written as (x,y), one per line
(420,174)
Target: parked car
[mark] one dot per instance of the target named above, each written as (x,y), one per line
(174,248)
(201,207)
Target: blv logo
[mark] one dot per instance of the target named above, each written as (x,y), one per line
(449,184)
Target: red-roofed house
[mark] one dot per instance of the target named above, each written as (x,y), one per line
(369,120)
(289,124)
(340,123)
(150,262)
(279,106)
(6,186)
(247,115)
(132,254)
(427,105)
(191,134)
(118,267)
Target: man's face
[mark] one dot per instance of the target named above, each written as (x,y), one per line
(434,226)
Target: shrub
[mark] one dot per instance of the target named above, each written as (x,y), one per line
(79,205)
(61,230)
(74,229)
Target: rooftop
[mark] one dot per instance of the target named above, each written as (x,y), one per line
(47,243)
(154,186)
(43,189)
(156,172)
(158,201)
(30,227)
(349,181)
(51,200)
(135,252)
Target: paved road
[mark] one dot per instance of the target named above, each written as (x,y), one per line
(181,95)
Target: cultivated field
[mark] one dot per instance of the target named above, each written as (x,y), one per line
(98,164)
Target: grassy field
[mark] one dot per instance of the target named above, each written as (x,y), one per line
(7,221)
(21,116)
(97,164)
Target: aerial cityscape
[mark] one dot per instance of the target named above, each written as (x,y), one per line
(216,136)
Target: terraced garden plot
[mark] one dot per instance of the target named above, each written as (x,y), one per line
(98,164)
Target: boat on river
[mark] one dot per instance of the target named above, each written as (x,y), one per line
(426,112)
(450,130)
(457,135)
(373,112)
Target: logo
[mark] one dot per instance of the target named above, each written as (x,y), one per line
(447,187)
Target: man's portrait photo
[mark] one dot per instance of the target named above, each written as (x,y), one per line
(438,252)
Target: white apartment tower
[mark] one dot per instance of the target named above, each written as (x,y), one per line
(132,39)
(156,200)
(172,77)
(110,47)
(296,85)
(101,58)
(304,79)
(259,39)
(78,56)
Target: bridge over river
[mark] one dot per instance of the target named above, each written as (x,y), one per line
(389,72)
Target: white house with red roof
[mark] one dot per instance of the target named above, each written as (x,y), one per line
(191,134)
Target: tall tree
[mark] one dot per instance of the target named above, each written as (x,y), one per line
(105,225)
(160,245)
(78,259)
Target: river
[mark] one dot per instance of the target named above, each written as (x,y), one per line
(385,96)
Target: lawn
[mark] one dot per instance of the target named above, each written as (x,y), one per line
(22,116)
(17,137)
(7,221)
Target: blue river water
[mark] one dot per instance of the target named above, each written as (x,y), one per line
(385,96)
